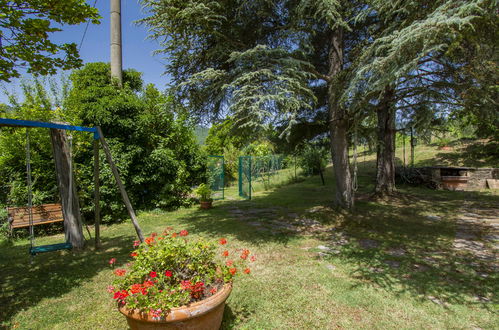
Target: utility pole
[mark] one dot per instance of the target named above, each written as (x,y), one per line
(116,57)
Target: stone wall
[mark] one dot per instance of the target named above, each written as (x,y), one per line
(477,178)
(432,176)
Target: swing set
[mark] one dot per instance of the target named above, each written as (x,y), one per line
(68,211)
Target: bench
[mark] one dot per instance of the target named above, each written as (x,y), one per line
(46,213)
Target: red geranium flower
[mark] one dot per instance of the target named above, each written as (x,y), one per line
(185,285)
(184,233)
(244,256)
(174,235)
(222,241)
(213,291)
(247,271)
(225,253)
(149,240)
(229,263)
(136,288)
(148,284)
(120,295)
(134,254)
(154,234)
(153,274)
(253,258)
(233,271)
(119,272)
(168,273)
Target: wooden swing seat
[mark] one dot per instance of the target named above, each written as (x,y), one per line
(42,214)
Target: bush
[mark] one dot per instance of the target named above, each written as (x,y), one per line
(313,158)
(203,192)
(153,146)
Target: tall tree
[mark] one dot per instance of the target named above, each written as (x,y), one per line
(263,61)
(25,29)
(407,65)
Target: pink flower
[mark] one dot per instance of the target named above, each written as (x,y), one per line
(112,261)
(136,243)
(110,289)
(184,233)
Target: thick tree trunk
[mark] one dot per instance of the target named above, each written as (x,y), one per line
(338,125)
(67,189)
(385,161)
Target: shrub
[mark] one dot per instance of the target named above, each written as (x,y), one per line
(313,158)
(203,192)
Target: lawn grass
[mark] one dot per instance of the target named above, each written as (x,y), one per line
(291,285)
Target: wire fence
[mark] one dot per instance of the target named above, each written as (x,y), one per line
(215,175)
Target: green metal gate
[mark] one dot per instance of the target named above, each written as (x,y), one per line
(245,176)
(215,174)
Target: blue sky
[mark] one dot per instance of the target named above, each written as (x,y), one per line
(137,51)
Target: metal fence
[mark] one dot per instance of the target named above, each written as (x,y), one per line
(215,175)
(259,172)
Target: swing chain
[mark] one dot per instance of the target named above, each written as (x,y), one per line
(30,192)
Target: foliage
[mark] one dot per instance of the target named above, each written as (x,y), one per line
(327,63)
(153,147)
(203,192)
(226,132)
(170,271)
(25,29)
(231,166)
(259,148)
(201,133)
(313,158)
(39,105)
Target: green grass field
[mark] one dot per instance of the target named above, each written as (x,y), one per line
(340,270)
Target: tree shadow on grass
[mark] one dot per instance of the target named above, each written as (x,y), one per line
(412,253)
(24,283)
(397,247)
(218,222)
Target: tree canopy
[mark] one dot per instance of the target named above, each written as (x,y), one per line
(338,63)
(25,35)
(153,146)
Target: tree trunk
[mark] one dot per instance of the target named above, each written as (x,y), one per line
(67,188)
(338,124)
(385,160)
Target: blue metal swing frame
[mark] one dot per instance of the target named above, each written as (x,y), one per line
(7,122)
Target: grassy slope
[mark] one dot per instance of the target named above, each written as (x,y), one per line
(290,287)
(469,153)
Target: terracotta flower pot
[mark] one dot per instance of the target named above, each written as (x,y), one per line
(205,205)
(206,314)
